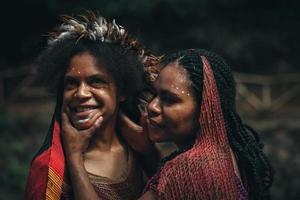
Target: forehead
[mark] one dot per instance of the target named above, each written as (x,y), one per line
(173,76)
(85,63)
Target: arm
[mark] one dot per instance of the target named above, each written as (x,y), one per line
(82,187)
(136,136)
(75,143)
(148,196)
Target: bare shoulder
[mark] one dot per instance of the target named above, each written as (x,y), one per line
(149,195)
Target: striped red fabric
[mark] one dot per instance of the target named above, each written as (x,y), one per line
(46,174)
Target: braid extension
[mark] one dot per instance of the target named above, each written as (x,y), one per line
(252,159)
(259,173)
(244,141)
(257,168)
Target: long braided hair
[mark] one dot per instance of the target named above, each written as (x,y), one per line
(256,170)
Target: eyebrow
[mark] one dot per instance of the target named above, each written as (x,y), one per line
(101,76)
(98,75)
(168,92)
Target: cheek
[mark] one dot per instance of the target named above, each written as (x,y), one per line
(157,135)
(67,98)
(103,95)
(67,95)
(99,93)
(106,98)
(180,121)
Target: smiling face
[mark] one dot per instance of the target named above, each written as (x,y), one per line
(88,89)
(173,113)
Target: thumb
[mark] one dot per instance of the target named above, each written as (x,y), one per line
(92,130)
(126,121)
(143,120)
(66,124)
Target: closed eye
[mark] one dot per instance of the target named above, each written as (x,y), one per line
(168,98)
(97,81)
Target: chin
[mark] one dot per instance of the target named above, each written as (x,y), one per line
(82,124)
(157,137)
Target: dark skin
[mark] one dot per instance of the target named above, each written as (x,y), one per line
(137,137)
(74,157)
(171,116)
(89,117)
(172,113)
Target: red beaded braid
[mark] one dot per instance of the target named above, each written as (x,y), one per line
(206,170)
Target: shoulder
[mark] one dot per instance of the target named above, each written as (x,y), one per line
(196,167)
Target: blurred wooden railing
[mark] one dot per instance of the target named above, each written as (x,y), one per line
(24,88)
(260,91)
(266,92)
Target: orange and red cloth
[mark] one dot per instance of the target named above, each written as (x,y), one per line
(46,174)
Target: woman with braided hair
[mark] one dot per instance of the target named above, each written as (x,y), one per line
(218,157)
(96,70)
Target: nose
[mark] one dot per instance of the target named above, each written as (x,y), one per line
(154,107)
(83,91)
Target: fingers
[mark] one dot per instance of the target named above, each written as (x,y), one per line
(93,120)
(92,130)
(76,140)
(126,121)
(94,123)
(66,124)
(98,122)
(144,118)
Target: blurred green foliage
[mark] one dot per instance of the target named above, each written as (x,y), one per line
(20,139)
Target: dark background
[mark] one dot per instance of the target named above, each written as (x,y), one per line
(254,36)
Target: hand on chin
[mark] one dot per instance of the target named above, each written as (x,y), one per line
(76,137)
(84,120)
(84,123)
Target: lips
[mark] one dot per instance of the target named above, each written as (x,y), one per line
(83,111)
(81,115)
(154,124)
(84,108)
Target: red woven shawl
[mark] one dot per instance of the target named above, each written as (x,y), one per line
(46,174)
(206,170)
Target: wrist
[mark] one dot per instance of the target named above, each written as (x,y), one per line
(74,157)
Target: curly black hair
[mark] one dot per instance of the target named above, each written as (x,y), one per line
(256,170)
(122,64)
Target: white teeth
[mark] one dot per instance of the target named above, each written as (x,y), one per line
(82,109)
(82,121)
(75,120)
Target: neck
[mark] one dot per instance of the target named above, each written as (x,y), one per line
(186,144)
(105,138)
